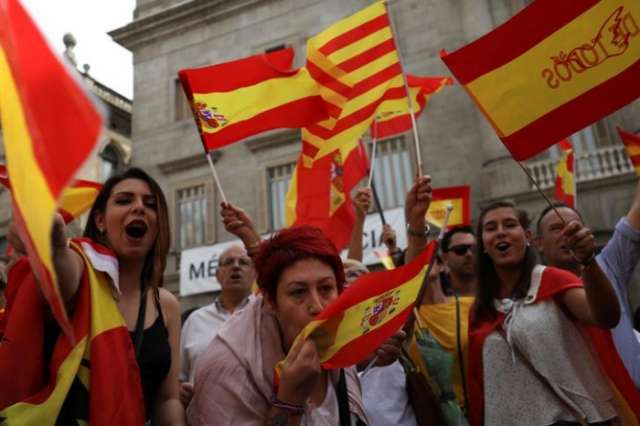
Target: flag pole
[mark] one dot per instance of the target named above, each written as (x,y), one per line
(374,143)
(215,177)
(414,125)
(535,183)
(376,199)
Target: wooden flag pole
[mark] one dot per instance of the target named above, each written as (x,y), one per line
(215,177)
(414,125)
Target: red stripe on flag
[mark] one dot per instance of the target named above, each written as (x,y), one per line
(355,34)
(635,160)
(375,80)
(293,114)
(309,149)
(368,56)
(58,161)
(513,38)
(575,115)
(327,80)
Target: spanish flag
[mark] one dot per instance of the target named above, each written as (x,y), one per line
(362,46)
(234,100)
(552,69)
(367,313)
(95,380)
(394,116)
(632,144)
(320,193)
(76,199)
(565,189)
(456,196)
(385,259)
(50,128)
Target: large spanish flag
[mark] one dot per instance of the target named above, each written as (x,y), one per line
(50,128)
(565,185)
(457,197)
(76,199)
(362,47)
(632,144)
(394,115)
(95,380)
(319,194)
(552,69)
(234,100)
(367,313)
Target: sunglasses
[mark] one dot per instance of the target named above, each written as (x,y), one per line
(461,249)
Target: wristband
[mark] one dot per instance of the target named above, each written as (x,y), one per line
(296,410)
(419,234)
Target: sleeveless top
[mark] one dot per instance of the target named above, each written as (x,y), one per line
(154,359)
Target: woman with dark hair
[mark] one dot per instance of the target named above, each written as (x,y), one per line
(529,362)
(122,256)
(299,274)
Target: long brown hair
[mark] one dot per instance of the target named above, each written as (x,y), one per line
(488,281)
(156,259)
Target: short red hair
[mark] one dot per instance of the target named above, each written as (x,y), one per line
(290,245)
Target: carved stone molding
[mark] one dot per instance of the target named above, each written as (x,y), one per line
(185,163)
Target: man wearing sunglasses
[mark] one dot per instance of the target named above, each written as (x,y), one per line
(235,274)
(458,255)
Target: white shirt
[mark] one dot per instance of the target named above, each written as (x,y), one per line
(385,398)
(197,332)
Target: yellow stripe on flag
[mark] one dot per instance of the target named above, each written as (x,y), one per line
(438,210)
(361,45)
(632,150)
(30,191)
(510,113)
(374,67)
(291,200)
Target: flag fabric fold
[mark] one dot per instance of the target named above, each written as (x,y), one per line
(237,99)
(457,197)
(552,69)
(95,380)
(50,128)
(394,117)
(367,313)
(565,184)
(632,145)
(385,259)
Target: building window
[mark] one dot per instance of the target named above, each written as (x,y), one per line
(191,216)
(278,179)
(392,172)
(182,110)
(110,162)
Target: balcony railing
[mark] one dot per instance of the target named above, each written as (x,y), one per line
(592,165)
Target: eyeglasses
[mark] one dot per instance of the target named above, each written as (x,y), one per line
(242,261)
(461,249)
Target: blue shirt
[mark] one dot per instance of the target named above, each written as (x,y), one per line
(617,260)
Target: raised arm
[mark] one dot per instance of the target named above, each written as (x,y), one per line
(596,303)
(415,209)
(237,222)
(361,203)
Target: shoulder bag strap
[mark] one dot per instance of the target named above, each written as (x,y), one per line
(139,333)
(343,400)
(463,376)
(522,357)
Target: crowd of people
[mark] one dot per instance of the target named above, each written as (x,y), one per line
(518,325)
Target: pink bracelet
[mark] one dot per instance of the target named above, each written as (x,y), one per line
(296,410)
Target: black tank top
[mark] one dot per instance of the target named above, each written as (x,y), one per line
(154,360)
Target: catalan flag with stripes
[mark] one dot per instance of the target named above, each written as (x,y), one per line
(50,129)
(237,99)
(394,115)
(362,46)
(76,199)
(632,144)
(95,380)
(319,194)
(367,313)
(457,197)
(565,185)
(552,69)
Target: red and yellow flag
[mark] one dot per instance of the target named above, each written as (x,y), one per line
(394,116)
(362,47)
(552,69)
(241,98)
(385,259)
(50,128)
(632,144)
(76,199)
(367,313)
(95,380)
(320,194)
(456,196)
(565,190)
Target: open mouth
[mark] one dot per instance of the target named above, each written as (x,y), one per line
(236,276)
(136,229)
(503,246)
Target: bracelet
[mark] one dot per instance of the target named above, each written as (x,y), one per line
(296,410)
(418,234)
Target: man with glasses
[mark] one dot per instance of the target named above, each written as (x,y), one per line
(458,255)
(235,274)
